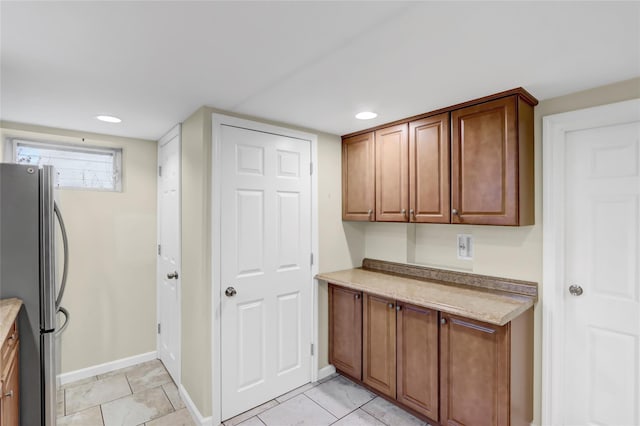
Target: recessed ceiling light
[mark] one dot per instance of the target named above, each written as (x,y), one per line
(366,115)
(108,118)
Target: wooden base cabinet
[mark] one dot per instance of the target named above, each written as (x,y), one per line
(379,344)
(9,380)
(486,372)
(345,330)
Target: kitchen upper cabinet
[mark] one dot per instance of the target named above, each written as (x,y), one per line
(417,363)
(492,179)
(379,344)
(358,178)
(392,174)
(486,372)
(429,162)
(345,330)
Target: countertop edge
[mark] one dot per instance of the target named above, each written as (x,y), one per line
(527,302)
(9,310)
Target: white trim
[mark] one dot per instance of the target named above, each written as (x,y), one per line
(555,129)
(193,409)
(325,372)
(175,132)
(107,367)
(217,120)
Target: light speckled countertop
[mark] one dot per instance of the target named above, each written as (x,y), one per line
(482,305)
(9,309)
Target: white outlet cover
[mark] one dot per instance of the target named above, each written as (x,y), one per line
(465,246)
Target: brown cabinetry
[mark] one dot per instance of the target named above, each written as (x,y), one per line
(449,369)
(358,178)
(345,330)
(379,344)
(471,163)
(392,174)
(9,380)
(492,163)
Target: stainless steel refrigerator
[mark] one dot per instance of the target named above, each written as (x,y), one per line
(30,222)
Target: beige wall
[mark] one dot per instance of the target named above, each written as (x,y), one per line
(341,245)
(111,291)
(500,251)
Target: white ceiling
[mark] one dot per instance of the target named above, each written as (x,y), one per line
(312,64)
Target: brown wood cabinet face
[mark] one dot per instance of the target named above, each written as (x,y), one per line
(379,344)
(358,178)
(484,179)
(417,351)
(392,174)
(429,170)
(474,373)
(11,394)
(345,330)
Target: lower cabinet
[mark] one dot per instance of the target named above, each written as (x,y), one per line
(448,369)
(9,380)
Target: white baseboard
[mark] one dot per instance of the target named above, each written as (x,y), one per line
(191,406)
(83,373)
(326,371)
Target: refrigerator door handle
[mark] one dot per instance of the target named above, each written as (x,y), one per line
(65,248)
(60,330)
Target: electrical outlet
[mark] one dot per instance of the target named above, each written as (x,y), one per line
(465,246)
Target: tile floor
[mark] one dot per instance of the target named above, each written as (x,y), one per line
(144,394)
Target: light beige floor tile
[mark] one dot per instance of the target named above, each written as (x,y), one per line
(298,391)
(340,396)
(391,414)
(126,370)
(79,398)
(148,375)
(298,411)
(174,396)
(79,382)
(359,418)
(248,414)
(177,418)
(138,408)
(89,417)
(329,377)
(60,403)
(253,421)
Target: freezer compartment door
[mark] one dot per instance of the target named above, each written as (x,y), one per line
(49,367)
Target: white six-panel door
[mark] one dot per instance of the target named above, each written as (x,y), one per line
(169,252)
(592,318)
(265,266)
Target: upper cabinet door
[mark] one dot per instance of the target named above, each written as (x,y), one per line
(392,174)
(429,198)
(487,146)
(358,178)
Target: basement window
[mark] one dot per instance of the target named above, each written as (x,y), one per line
(76,167)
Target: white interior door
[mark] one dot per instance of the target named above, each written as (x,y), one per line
(265,267)
(169,252)
(598,376)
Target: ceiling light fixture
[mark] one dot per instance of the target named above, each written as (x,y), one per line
(108,118)
(366,115)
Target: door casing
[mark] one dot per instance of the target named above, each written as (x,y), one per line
(555,129)
(218,120)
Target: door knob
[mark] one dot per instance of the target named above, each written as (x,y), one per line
(230,291)
(173,275)
(575,290)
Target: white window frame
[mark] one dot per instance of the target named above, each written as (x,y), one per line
(13,143)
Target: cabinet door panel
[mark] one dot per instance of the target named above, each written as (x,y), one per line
(379,344)
(358,177)
(429,170)
(484,180)
(392,174)
(417,369)
(345,330)
(474,375)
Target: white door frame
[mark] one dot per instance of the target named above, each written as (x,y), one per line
(176,131)
(555,129)
(218,120)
